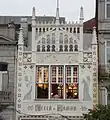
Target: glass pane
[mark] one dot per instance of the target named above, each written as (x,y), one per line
(108,10)
(42,74)
(53,71)
(75,74)
(108,55)
(68,74)
(108,43)
(60,74)
(72,91)
(42,90)
(56,91)
(45,74)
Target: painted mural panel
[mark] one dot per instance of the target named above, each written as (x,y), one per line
(85,82)
(28,83)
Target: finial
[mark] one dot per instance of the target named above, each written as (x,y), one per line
(81,14)
(94,39)
(57,13)
(20,40)
(33,13)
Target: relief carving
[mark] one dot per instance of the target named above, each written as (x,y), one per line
(28,85)
(86,89)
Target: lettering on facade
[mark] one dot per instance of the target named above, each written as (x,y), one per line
(58,108)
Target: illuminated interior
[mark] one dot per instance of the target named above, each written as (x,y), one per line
(54,85)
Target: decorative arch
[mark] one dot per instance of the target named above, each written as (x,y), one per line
(61,39)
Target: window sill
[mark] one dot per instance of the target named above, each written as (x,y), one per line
(56,100)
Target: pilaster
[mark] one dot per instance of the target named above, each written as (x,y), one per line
(19,72)
(95,67)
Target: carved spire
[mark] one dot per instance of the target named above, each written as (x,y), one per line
(33,14)
(81,15)
(57,14)
(21,39)
(94,39)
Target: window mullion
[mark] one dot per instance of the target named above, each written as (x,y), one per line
(64,82)
(57,74)
(49,82)
(71,74)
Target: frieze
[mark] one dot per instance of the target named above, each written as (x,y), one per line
(58,108)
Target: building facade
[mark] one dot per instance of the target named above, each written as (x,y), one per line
(103,25)
(57,78)
(8,52)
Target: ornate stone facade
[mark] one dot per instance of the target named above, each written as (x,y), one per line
(57,77)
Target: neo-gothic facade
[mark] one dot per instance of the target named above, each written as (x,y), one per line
(57,78)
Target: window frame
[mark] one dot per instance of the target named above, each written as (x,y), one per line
(106,47)
(3,72)
(106,3)
(62,83)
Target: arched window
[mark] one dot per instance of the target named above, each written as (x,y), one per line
(48,39)
(61,38)
(76,48)
(43,40)
(66,48)
(70,40)
(71,48)
(48,48)
(53,38)
(38,48)
(66,39)
(43,48)
(53,47)
(61,48)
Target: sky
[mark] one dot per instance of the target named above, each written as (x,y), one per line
(68,8)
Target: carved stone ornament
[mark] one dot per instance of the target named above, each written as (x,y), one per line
(87,57)
(27,57)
